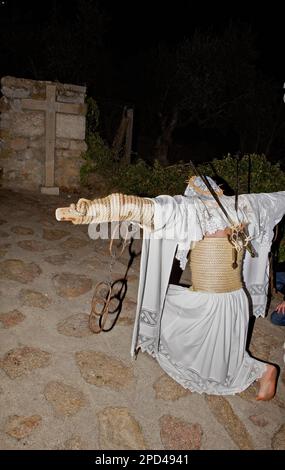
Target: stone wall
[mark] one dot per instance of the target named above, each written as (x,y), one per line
(41,141)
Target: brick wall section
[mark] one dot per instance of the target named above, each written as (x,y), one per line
(23,142)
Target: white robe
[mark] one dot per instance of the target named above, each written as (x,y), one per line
(199,338)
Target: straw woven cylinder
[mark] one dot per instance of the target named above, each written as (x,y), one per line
(211,266)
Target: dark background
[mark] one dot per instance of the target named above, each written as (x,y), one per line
(112,47)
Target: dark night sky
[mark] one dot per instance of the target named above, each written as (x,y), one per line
(141,22)
(137,24)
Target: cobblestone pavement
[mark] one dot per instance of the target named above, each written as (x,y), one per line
(63,387)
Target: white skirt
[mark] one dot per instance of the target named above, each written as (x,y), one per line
(203,340)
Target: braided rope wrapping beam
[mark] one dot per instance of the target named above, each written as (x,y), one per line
(113,208)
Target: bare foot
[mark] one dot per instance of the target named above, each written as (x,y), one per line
(267,383)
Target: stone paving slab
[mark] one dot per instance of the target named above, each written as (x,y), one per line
(63,387)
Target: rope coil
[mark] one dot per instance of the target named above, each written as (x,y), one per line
(211,266)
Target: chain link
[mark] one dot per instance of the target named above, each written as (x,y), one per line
(105,291)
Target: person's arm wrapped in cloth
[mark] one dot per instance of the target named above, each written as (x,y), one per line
(113,208)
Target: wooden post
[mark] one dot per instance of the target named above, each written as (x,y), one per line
(129,136)
(120,134)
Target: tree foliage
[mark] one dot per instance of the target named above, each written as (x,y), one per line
(210,81)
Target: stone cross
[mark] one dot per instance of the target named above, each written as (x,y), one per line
(50,106)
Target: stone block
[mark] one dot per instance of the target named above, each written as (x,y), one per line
(5,153)
(30,154)
(69,93)
(5,121)
(19,143)
(16,105)
(28,123)
(70,154)
(4,104)
(71,97)
(68,176)
(62,143)
(78,145)
(70,126)
(52,191)
(4,135)
(37,142)
(14,87)
(15,92)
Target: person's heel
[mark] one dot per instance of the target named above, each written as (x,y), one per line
(268,383)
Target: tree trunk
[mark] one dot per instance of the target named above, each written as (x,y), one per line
(163,142)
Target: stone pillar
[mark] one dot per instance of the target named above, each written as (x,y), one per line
(42,134)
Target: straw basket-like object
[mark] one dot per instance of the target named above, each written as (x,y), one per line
(211,266)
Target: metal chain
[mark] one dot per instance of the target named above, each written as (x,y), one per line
(105,292)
